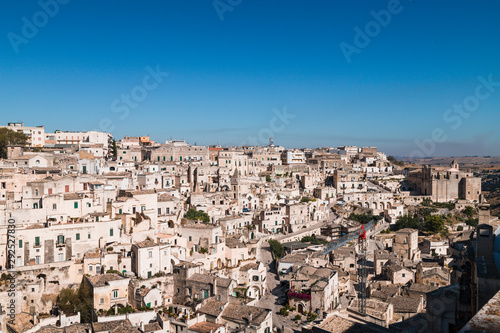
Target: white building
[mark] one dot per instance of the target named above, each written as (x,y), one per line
(294,157)
(36,135)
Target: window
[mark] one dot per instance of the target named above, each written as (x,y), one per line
(115,293)
(98,269)
(120,211)
(4,185)
(190,238)
(91,268)
(101,301)
(36,193)
(20,243)
(60,257)
(111,232)
(77,236)
(37,260)
(255,278)
(88,236)
(403,275)
(66,188)
(54,206)
(150,254)
(37,241)
(149,275)
(60,239)
(75,204)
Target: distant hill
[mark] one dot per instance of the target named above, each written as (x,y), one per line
(475,162)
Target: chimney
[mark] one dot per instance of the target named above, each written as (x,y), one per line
(215,286)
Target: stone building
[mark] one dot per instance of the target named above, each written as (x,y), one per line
(405,244)
(445,184)
(108,290)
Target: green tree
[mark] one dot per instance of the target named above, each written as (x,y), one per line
(472,222)
(364,218)
(393,160)
(193,214)
(114,150)
(284,312)
(435,224)
(276,248)
(268,178)
(10,137)
(469,211)
(71,301)
(408,221)
(313,239)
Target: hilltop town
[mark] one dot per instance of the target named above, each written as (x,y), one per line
(128,235)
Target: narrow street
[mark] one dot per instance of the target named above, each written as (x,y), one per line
(269,300)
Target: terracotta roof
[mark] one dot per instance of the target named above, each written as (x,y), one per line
(247,267)
(205,327)
(146,243)
(233,243)
(153,327)
(404,304)
(108,326)
(22,322)
(103,279)
(74,328)
(422,288)
(212,307)
(92,255)
(338,324)
(126,329)
(243,313)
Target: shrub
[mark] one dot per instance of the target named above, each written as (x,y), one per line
(297,317)
(193,214)
(312,316)
(284,312)
(276,248)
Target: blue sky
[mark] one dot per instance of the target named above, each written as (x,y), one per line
(225,77)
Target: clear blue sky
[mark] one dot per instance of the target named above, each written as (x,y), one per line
(225,77)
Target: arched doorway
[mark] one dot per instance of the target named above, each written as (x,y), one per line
(300,308)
